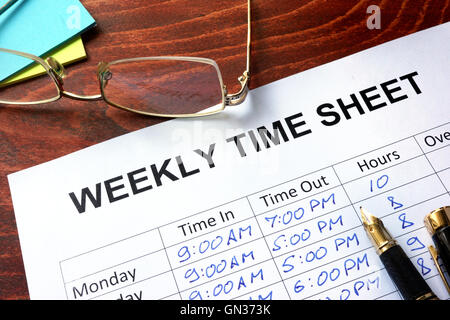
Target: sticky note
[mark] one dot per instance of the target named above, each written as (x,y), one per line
(38,27)
(69,53)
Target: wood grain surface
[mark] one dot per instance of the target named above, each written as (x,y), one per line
(289,36)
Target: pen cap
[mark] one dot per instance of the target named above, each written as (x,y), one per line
(437,219)
(441,240)
(437,223)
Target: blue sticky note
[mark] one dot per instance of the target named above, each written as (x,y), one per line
(37,27)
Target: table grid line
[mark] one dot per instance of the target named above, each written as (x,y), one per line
(130,285)
(397,187)
(348,197)
(64,281)
(431,165)
(170,265)
(116,265)
(390,144)
(268,248)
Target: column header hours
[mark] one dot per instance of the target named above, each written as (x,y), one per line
(376,160)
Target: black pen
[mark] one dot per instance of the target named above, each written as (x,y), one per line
(438,225)
(401,270)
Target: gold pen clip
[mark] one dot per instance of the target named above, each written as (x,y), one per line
(434,255)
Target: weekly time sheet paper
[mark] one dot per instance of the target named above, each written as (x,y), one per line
(260,202)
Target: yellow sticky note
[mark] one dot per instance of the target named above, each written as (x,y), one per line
(69,53)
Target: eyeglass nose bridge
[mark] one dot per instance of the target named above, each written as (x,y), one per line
(58,72)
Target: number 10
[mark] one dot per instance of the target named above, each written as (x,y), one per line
(380,183)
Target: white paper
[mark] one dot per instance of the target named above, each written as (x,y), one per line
(281,223)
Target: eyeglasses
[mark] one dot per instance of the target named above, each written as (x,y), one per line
(165,86)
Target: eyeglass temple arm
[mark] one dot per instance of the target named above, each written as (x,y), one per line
(239,97)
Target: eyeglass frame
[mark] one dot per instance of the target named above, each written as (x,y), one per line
(56,72)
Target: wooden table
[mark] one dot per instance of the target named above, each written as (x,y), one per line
(289,36)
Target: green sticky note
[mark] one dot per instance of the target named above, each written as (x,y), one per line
(69,53)
(39,27)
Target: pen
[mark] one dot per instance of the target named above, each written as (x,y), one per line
(7,5)
(437,223)
(405,276)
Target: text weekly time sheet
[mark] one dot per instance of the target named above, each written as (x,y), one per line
(260,202)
